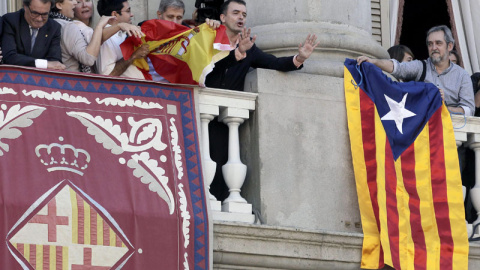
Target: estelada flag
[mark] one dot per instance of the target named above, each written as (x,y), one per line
(406,172)
(178,53)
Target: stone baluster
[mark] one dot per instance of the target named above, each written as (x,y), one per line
(234,171)
(461,138)
(232,109)
(474,144)
(209,166)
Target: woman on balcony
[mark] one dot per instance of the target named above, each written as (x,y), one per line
(80,43)
(77,53)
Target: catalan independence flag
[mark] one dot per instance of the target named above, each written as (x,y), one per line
(406,172)
(178,53)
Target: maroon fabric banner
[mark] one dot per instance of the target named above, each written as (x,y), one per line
(99,173)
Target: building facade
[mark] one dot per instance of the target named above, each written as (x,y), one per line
(294,141)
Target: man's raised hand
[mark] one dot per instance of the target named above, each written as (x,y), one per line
(244,41)
(306,49)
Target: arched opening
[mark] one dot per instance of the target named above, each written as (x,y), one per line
(417,18)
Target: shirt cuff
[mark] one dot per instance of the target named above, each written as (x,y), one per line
(467,111)
(41,63)
(395,65)
(240,56)
(296,62)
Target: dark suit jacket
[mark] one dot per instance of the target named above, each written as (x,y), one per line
(16,41)
(229,73)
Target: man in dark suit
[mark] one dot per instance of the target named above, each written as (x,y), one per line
(230,72)
(30,38)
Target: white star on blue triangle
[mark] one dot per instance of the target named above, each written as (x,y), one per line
(397,112)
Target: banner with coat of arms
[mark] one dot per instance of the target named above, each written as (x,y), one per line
(99,173)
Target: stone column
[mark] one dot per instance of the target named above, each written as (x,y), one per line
(343,28)
(300,168)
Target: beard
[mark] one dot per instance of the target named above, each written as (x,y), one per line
(437,58)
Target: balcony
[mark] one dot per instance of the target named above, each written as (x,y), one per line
(243,241)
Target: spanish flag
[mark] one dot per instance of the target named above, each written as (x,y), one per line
(178,53)
(406,172)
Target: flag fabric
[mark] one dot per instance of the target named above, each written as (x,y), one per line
(178,53)
(99,173)
(406,171)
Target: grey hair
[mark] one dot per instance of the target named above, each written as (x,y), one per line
(165,4)
(448,33)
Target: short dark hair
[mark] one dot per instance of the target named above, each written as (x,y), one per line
(224,7)
(53,7)
(165,4)
(397,52)
(106,7)
(27,2)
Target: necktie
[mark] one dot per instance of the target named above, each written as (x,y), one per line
(34,36)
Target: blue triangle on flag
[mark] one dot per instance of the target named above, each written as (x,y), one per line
(421,99)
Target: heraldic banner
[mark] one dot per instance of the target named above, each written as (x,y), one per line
(406,171)
(99,173)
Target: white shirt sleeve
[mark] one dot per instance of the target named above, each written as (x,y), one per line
(41,63)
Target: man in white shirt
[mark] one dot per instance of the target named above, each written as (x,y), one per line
(110,60)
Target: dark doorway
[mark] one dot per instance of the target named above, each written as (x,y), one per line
(418,17)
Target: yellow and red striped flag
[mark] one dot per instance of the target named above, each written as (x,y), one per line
(178,53)
(406,171)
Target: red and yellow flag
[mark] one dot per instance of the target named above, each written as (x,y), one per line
(178,53)
(406,172)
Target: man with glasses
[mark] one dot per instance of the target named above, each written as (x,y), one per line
(110,60)
(30,38)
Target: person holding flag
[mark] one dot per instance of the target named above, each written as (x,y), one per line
(407,174)
(438,70)
(172,11)
(230,72)
(110,60)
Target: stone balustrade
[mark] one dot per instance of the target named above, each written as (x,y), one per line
(467,133)
(231,108)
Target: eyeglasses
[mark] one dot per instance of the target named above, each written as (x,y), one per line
(129,10)
(35,14)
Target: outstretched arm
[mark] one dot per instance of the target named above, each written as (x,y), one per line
(130,29)
(384,64)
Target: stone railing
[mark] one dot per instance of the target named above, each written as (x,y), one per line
(232,108)
(467,133)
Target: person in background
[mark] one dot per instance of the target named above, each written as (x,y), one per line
(455,58)
(173,11)
(401,53)
(110,60)
(476,86)
(29,38)
(78,53)
(83,12)
(452,79)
